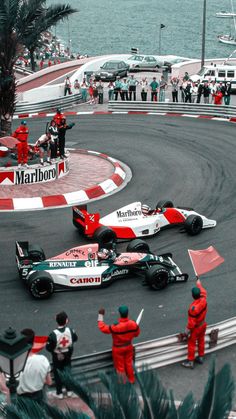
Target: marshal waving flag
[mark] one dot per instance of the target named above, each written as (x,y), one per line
(205,260)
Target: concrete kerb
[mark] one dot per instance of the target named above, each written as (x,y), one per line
(119,179)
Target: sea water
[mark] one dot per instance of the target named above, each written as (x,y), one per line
(115,26)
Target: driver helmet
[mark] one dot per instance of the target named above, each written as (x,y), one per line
(103,254)
(145,209)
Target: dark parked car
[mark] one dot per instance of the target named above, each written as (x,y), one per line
(111,69)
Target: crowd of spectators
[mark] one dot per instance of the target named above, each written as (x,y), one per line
(131,88)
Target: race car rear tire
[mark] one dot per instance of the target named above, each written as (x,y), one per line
(138,245)
(104,236)
(193,224)
(157,277)
(36,253)
(41,285)
(165,204)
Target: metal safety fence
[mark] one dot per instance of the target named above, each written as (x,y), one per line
(63,102)
(220,111)
(158,352)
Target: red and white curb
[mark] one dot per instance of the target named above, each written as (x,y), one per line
(118,179)
(46,115)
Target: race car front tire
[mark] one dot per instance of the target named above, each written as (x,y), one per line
(36,253)
(193,224)
(40,285)
(104,236)
(164,204)
(157,277)
(138,245)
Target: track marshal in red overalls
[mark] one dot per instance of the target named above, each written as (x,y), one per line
(196,327)
(21,134)
(123,332)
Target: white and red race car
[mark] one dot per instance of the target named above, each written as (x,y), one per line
(138,220)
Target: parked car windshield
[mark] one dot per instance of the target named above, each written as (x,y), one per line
(110,66)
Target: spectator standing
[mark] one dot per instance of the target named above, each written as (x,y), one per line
(53,130)
(84,89)
(22,134)
(162,89)
(67,86)
(188,92)
(144,89)
(43,143)
(117,87)
(186,76)
(196,326)
(175,85)
(95,92)
(124,90)
(194,92)
(77,86)
(154,89)
(227,93)
(36,374)
(49,63)
(206,92)
(110,87)
(123,332)
(132,83)
(199,92)
(213,88)
(41,64)
(62,128)
(100,88)
(60,343)
(91,92)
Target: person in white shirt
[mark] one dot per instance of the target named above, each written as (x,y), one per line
(35,375)
(43,143)
(144,88)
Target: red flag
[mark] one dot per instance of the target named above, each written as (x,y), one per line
(205,260)
(39,343)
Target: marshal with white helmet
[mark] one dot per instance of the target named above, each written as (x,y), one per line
(138,220)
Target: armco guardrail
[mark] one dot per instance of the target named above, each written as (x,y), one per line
(156,353)
(63,102)
(173,107)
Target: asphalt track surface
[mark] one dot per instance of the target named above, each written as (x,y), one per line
(191,162)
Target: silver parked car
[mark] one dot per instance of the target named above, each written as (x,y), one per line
(147,62)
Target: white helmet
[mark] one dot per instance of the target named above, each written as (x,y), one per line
(145,209)
(103,254)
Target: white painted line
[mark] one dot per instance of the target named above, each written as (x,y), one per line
(120,112)
(156,113)
(108,185)
(221,119)
(27,203)
(119,171)
(84,113)
(190,116)
(75,197)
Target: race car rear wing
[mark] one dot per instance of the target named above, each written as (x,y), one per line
(88,221)
(22,249)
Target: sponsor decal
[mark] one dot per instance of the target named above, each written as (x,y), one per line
(93,280)
(62,264)
(117,272)
(24,177)
(91,218)
(75,252)
(128,213)
(20,251)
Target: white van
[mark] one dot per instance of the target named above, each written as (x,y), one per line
(219,73)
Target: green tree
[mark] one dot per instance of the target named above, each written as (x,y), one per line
(21,24)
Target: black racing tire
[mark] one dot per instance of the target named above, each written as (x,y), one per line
(36,253)
(138,245)
(157,277)
(104,236)
(165,204)
(193,224)
(79,227)
(41,285)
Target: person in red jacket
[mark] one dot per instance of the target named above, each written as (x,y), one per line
(58,117)
(22,133)
(196,327)
(122,333)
